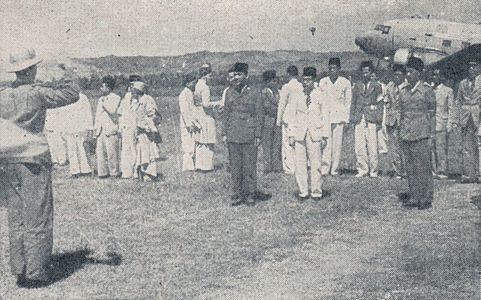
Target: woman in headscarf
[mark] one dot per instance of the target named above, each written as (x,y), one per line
(148,136)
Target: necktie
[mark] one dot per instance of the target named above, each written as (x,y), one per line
(308,100)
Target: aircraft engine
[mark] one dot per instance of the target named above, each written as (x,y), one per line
(402,55)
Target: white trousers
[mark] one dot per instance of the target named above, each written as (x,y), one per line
(128,153)
(204,157)
(108,155)
(77,156)
(308,151)
(382,140)
(288,153)
(57,144)
(366,147)
(331,156)
(188,150)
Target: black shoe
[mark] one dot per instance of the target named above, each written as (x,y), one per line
(425,206)
(302,199)
(260,196)
(32,284)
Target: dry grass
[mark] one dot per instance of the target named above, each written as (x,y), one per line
(180,239)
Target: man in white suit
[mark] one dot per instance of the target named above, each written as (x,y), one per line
(78,130)
(285,101)
(338,94)
(308,131)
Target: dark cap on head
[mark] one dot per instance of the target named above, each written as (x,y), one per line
(367,64)
(335,61)
(415,63)
(399,68)
(292,71)
(109,81)
(269,75)
(241,67)
(135,77)
(309,72)
(188,78)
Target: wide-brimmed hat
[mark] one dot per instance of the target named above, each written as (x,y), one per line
(22,59)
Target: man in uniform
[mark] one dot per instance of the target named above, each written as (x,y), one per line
(444,123)
(285,103)
(468,103)
(242,130)
(337,93)
(417,100)
(366,114)
(25,172)
(107,130)
(392,121)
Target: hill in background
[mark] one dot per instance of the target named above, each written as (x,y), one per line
(259,61)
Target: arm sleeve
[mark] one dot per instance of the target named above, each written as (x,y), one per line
(282,105)
(348,95)
(185,110)
(226,115)
(259,115)
(451,108)
(60,95)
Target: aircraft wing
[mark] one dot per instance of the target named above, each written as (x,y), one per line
(456,65)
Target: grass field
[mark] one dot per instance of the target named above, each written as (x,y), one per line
(180,239)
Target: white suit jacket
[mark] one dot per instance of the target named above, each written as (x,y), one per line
(313,119)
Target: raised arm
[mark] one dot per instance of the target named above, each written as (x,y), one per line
(59,95)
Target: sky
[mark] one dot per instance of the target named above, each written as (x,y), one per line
(158,28)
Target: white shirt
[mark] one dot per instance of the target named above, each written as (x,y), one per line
(186,104)
(79,116)
(104,121)
(337,97)
(285,101)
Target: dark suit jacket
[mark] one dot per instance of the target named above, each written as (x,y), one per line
(243,115)
(366,103)
(417,112)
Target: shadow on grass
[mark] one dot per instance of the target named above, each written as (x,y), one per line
(66,264)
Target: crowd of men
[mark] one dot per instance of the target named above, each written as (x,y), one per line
(300,126)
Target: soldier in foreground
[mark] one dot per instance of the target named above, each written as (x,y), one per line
(416,101)
(25,172)
(242,130)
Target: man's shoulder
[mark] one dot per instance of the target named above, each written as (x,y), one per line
(114,96)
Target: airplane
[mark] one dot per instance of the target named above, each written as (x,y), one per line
(448,46)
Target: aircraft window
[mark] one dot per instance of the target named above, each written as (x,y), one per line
(386,29)
(446,43)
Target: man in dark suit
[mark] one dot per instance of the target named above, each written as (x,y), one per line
(417,101)
(242,130)
(366,114)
